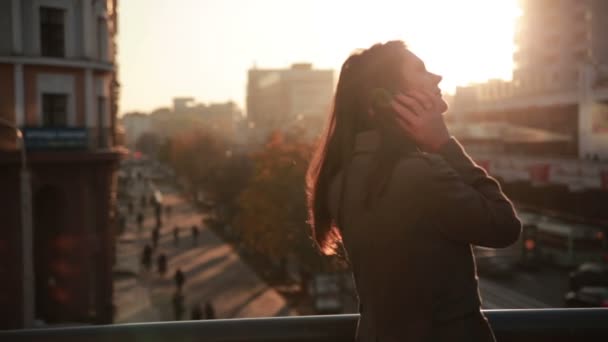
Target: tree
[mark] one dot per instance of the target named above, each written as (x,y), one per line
(272,209)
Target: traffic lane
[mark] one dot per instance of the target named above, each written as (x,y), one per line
(545,286)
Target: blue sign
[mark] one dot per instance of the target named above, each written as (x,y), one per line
(55,138)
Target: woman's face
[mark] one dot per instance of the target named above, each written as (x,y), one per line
(415,76)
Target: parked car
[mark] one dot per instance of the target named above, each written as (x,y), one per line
(589,274)
(326,291)
(587,297)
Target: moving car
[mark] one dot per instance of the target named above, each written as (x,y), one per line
(589,274)
(587,297)
(326,292)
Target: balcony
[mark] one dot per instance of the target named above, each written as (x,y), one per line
(555,325)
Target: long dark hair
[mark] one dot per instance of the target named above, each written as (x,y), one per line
(368,79)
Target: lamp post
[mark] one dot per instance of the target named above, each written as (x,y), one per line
(27,249)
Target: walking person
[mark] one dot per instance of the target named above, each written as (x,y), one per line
(140,221)
(158,214)
(176,236)
(209,311)
(178,305)
(194,235)
(130,207)
(196,313)
(155,237)
(146,258)
(122,223)
(404,199)
(161,264)
(179,280)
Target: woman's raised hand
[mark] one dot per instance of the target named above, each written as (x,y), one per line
(419,114)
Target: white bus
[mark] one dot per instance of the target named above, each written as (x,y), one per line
(569,244)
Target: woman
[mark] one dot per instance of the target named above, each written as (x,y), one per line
(405,201)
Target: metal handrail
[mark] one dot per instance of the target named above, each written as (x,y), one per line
(509,325)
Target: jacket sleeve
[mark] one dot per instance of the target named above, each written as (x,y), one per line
(469,205)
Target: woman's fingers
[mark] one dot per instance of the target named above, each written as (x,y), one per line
(411,103)
(404,113)
(423,98)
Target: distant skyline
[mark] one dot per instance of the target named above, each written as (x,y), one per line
(203,48)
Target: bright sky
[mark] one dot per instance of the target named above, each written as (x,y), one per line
(203,48)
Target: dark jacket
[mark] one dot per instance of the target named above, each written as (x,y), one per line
(411,249)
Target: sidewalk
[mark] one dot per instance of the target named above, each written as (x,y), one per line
(213,270)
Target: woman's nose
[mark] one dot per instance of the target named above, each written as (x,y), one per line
(438,78)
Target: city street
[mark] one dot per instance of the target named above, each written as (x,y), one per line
(213,270)
(543,287)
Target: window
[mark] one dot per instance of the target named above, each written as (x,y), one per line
(54,110)
(102,39)
(52,32)
(101,110)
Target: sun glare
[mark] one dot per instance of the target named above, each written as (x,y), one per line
(465,41)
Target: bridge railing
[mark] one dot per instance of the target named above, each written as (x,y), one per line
(555,325)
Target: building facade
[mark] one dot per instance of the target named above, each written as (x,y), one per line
(554,38)
(135,124)
(278,97)
(544,134)
(59,87)
(559,79)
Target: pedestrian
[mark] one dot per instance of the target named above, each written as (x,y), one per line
(162,264)
(179,279)
(196,313)
(140,220)
(130,207)
(389,164)
(157,212)
(176,235)
(209,311)
(178,305)
(194,234)
(146,258)
(122,223)
(155,236)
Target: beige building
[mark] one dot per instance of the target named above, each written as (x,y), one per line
(278,97)
(135,124)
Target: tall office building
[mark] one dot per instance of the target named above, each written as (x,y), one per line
(555,37)
(559,80)
(278,97)
(59,87)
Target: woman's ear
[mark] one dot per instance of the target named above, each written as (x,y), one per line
(381,98)
(380,102)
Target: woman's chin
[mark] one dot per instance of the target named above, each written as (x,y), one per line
(442,105)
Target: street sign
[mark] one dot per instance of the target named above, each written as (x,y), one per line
(55,138)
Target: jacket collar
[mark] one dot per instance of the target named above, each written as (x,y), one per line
(369,141)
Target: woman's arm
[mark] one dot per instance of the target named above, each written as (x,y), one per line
(468,204)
